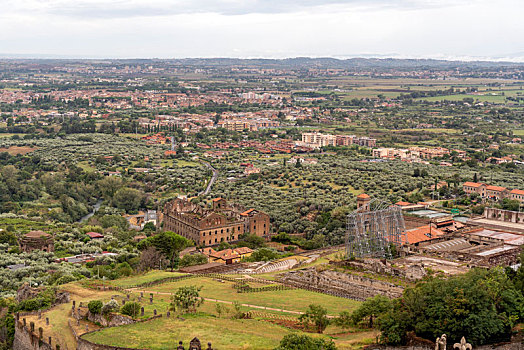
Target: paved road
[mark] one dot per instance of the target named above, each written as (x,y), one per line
(212,181)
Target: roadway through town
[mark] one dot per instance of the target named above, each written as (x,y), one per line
(211,181)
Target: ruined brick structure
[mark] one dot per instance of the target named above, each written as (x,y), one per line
(37,240)
(223,223)
(504,215)
(340,284)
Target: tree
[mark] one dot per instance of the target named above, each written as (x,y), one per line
(169,243)
(482,305)
(192,259)
(151,258)
(295,341)
(253,241)
(117,221)
(264,254)
(109,185)
(187,299)
(316,315)
(128,199)
(344,320)
(221,309)
(371,308)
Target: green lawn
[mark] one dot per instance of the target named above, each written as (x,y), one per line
(147,277)
(165,333)
(496,98)
(185,163)
(293,300)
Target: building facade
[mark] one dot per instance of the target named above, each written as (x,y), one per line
(474,187)
(207,227)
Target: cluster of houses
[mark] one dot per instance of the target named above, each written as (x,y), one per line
(417,153)
(492,192)
(267,147)
(318,140)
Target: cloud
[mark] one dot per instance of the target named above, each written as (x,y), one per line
(261,28)
(146,8)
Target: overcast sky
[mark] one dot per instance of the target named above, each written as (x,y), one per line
(475,29)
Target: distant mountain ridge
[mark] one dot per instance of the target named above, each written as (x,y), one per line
(296,62)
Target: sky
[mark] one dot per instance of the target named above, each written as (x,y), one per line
(442,29)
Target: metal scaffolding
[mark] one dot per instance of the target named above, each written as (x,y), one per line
(372,230)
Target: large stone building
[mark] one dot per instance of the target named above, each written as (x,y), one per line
(223,223)
(37,240)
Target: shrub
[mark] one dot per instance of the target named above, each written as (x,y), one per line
(65,279)
(110,306)
(264,254)
(304,342)
(130,309)
(95,306)
(193,259)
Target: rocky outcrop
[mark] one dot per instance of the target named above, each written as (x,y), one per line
(26,292)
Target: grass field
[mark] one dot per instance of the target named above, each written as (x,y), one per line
(518,132)
(477,98)
(261,332)
(14,150)
(293,300)
(185,163)
(144,278)
(86,167)
(241,334)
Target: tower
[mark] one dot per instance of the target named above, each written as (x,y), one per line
(363,201)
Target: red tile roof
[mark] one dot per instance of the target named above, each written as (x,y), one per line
(421,234)
(517,192)
(363,196)
(247,212)
(94,235)
(473,184)
(496,188)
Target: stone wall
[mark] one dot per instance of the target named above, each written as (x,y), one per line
(340,284)
(83,344)
(413,272)
(504,215)
(27,340)
(112,320)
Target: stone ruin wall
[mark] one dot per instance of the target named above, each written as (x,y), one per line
(27,340)
(413,272)
(83,344)
(340,284)
(113,320)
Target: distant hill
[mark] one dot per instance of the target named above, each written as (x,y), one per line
(293,63)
